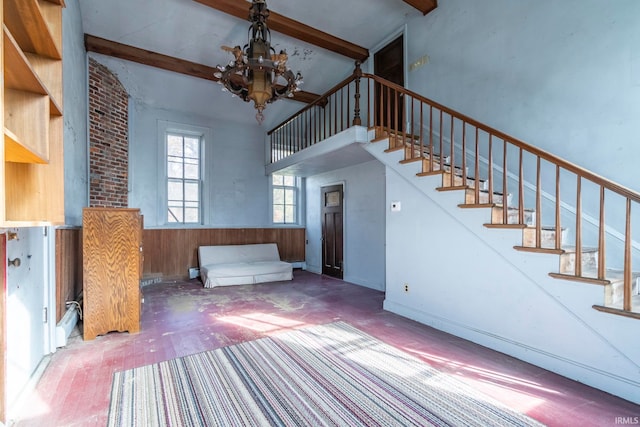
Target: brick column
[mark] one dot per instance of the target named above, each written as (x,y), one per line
(109,138)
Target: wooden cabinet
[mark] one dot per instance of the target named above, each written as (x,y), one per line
(112,269)
(31,152)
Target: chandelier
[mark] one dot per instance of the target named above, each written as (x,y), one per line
(257,73)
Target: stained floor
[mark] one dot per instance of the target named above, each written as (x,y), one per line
(181,318)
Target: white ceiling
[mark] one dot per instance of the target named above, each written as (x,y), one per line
(189,30)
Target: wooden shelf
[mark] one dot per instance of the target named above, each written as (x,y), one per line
(20,74)
(27,21)
(16,152)
(32,147)
(50,72)
(26,117)
(58,2)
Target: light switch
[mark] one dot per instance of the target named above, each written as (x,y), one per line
(395,206)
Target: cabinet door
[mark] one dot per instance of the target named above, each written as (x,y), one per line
(111,254)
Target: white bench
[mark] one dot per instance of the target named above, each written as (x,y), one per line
(226,265)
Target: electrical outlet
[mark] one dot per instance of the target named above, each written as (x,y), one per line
(406,287)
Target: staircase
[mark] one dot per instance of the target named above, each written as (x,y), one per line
(575,263)
(559,207)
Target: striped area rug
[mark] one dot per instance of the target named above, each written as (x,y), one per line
(332,375)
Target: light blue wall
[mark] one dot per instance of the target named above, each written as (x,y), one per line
(364,189)
(561,75)
(468,280)
(75,114)
(236,187)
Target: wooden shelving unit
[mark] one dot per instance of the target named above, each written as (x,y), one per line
(32,178)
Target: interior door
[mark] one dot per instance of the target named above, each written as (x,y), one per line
(332,231)
(388,63)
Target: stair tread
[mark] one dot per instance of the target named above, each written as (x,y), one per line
(476,205)
(541,250)
(619,310)
(610,274)
(411,160)
(453,188)
(545,228)
(585,249)
(438,172)
(564,248)
(512,208)
(497,193)
(505,225)
(581,278)
(591,275)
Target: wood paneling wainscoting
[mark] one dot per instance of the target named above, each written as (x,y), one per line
(170,253)
(68,267)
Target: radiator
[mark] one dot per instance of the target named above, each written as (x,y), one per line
(66,325)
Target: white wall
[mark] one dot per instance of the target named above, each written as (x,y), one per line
(561,75)
(364,189)
(468,280)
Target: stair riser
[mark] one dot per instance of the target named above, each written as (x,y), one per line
(457,181)
(568,262)
(483,198)
(512,217)
(426,165)
(614,293)
(547,238)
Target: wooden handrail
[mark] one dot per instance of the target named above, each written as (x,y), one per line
(321,100)
(578,170)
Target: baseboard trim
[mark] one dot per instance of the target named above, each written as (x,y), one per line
(622,387)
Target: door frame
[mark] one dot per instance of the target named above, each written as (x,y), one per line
(342,184)
(402,31)
(370,67)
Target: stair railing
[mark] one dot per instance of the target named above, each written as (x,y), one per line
(327,116)
(491,167)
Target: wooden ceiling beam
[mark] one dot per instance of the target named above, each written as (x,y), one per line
(424,6)
(295,29)
(165,62)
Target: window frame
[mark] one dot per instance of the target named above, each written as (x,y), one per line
(203,135)
(298,196)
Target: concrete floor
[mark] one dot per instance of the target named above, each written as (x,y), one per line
(181,318)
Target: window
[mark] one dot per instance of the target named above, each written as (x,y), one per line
(183,178)
(285,199)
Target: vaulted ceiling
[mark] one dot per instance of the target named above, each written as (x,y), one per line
(322,39)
